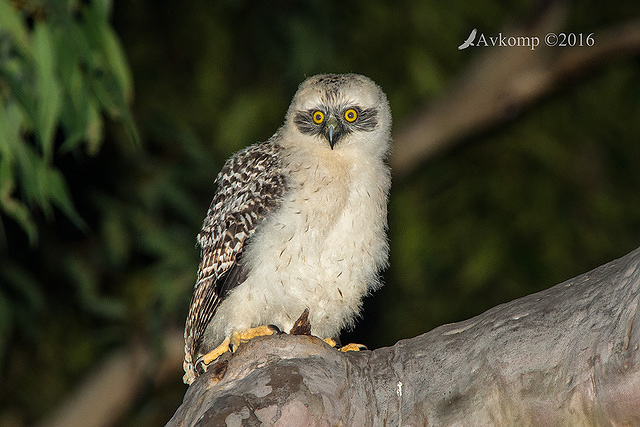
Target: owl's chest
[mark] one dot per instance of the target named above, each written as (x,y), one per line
(332,216)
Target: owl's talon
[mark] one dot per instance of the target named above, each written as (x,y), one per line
(200,367)
(353,347)
(218,369)
(275,330)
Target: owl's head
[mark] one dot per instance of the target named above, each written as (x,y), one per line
(341,111)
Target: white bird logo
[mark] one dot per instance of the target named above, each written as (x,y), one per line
(469,41)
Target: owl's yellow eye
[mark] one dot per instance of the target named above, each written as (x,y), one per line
(318,117)
(350,115)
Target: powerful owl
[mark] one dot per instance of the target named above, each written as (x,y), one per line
(298,222)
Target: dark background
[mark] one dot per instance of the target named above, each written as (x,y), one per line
(548,191)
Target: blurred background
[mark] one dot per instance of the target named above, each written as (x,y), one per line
(514,169)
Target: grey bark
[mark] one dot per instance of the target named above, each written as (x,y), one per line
(564,356)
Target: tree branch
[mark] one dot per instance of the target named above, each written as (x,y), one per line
(500,83)
(107,394)
(564,356)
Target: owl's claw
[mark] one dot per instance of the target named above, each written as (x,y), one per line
(334,342)
(218,369)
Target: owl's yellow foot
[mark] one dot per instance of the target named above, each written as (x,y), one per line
(216,352)
(349,347)
(238,338)
(233,342)
(331,341)
(353,347)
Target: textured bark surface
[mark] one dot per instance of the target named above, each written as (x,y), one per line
(568,355)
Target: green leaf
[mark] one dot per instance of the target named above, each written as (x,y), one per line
(7,133)
(58,193)
(16,76)
(102,8)
(11,22)
(10,145)
(111,79)
(49,102)
(11,206)
(116,60)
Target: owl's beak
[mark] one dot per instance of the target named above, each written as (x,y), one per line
(332,131)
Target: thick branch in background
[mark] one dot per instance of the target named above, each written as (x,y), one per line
(502,82)
(568,355)
(109,392)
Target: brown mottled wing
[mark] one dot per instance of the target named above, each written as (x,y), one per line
(249,186)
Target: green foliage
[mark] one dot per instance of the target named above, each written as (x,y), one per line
(61,66)
(61,69)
